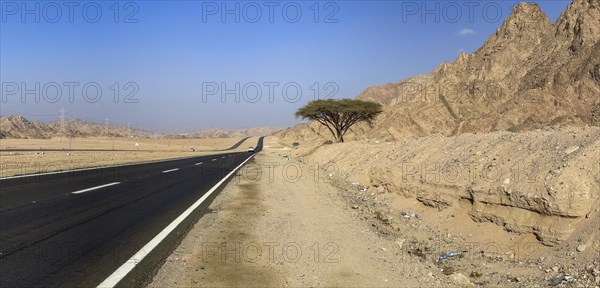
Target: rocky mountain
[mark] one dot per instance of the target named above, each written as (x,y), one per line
(531,73)
(235,133)
(20,127)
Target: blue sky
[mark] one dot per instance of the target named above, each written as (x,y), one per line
(173,58)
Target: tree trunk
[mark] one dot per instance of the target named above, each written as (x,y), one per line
(339,135)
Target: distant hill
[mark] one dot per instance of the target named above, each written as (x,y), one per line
(19,127)
(235,133)
(531,73)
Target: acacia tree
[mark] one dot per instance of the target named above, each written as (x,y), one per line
(338,115)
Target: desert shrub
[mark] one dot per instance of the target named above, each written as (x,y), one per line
(295,144)
(327,142)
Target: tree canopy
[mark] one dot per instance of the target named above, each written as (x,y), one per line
(338,115)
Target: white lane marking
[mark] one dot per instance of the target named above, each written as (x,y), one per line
(213,160)
(94,188)
(200,163)
(223,157)
(128,266)
(167,171)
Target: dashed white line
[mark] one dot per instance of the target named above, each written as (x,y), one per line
(94,188)
(167,171)
(200,163)
(213,160)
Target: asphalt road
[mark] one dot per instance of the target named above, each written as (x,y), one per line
(234,146)
(76,228)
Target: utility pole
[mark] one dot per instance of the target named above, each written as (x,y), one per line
(105,126)
(107,134)
(62,120)
(62,125)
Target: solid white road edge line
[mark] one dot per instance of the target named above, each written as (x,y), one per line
(167,171)
(122,271)
(94,188)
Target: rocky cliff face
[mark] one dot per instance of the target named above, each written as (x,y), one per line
(531,73)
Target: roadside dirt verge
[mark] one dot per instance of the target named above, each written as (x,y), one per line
(286,226)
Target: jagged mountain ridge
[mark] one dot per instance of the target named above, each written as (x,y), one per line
(529,74)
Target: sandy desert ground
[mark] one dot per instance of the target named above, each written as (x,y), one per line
(293,225)
(18,163)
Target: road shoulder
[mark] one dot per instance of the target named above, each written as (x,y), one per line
(277,224)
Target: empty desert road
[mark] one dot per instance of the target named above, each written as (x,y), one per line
(90,226)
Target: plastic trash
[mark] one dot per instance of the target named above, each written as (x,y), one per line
(410,215)
(445,256)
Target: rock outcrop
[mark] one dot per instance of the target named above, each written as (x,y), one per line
(543,182)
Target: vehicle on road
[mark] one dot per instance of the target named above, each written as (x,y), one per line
(251,149)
